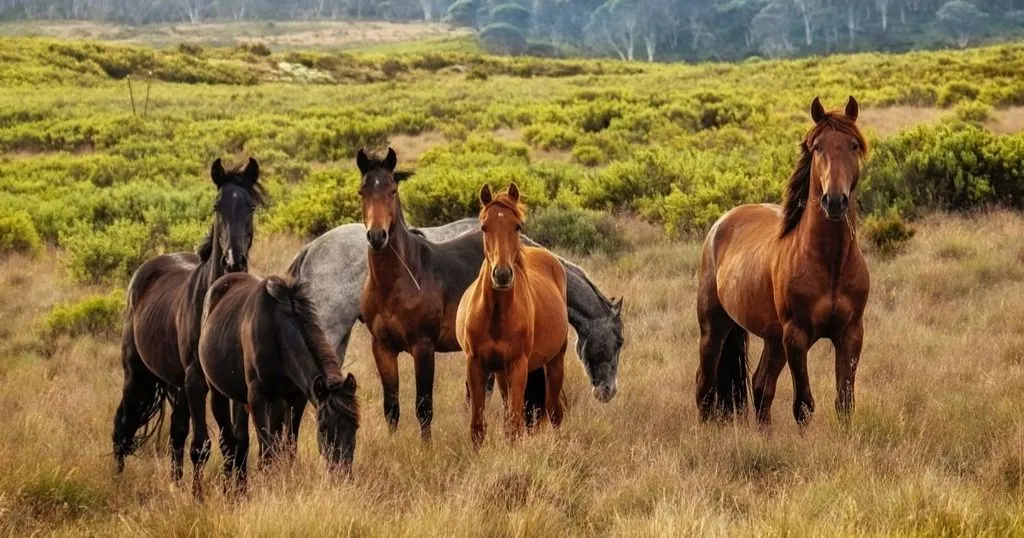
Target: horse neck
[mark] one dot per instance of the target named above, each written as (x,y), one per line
(310,358)
(209,269)
(830,243)
(584,303)
(400,258)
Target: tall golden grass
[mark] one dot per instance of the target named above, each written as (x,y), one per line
(936,446)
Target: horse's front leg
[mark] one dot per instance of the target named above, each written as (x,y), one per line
(476,383)
(766,378)
(847,357)
(196,391)
(387,367)
(796,342)
(423,356)
(516,372)
(261,417)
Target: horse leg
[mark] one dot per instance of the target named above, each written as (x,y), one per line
(847,357)
(240,432)
(424,365)
(534,399)
(387,368)
(179,432)
(554,372)
(516,374)
(261,411)
(476,383)
(766,377)
(297,407)
(712,339)
(220,405)
(140,395)
(196,390)
(796,343)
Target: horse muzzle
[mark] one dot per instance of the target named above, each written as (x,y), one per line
(605,393)
(378,239)
(234,264)
(835,206)
(502,277)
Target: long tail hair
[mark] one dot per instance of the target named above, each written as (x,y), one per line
(732,385)
(151,404)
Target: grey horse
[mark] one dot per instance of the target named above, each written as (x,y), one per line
(334,265)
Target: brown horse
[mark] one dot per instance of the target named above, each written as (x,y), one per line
(262,348)
(165,302)
(412,291)
(513,318)
(789,276)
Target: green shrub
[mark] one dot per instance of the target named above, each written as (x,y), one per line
(327,199)
(887,233)
(588,155)
(973,112)
(550,136)
(575,229)
(18,234)
(108,255)
(955,92)
(95,315)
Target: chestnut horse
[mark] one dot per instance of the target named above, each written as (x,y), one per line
(412,291)
(513,318)
(165,303)
(789,276)
(262,348)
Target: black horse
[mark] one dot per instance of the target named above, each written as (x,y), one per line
(162,319)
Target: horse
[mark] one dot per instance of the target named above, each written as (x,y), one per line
(789,274)
(334,267)
(161,324)
(513,318)
(262,348)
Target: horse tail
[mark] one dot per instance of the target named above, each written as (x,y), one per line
(295,268)
(143,394)
(295,304)
(733,387)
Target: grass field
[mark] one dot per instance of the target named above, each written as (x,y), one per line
(628,162)
(936,446)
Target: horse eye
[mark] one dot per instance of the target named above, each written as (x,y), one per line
(854,146)
(519,227)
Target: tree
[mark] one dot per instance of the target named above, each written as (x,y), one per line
(615,24)
(771,30)
(962,19)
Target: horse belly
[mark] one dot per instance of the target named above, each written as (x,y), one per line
(156,339)
(745,292)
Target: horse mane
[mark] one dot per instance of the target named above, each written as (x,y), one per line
(294,297)
(798,187)
(374,163)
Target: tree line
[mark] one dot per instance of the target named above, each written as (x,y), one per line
(652,30)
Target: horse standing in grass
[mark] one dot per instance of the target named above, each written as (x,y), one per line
(165,302)
(513,318)
(262,348)
(791,275)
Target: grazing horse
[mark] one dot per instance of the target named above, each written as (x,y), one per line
(262,348)
(513,318)
(334,268)
(165,302)
(790,275)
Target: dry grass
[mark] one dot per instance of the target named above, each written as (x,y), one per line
(937,444)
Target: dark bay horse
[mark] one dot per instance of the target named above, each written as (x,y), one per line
(513,318)
(262,348)
(165,301)
(412,291)
(790,275)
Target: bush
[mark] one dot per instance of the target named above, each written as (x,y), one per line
(973,112)
(572,228)
(550,136)
(95,315)
(108,255)
(18,234)
(955,92)
(589,155)
(887,233)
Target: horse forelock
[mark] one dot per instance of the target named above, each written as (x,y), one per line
(504,200)
(798,187)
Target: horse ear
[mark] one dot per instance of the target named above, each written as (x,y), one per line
(320,389)
(485,195)
(252,171)
(617,305)
(513,191)
(817,111)
(391,161)
(217,173)
(363,162)
(852,109)
(349,384)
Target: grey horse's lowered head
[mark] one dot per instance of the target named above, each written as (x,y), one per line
(599,339)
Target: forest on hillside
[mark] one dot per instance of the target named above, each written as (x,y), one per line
(651,30)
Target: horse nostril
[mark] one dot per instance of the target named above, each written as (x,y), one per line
(845,201)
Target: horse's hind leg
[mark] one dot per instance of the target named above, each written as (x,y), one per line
(732,373)
(220,405)
(713,331)
(535,398)
(554,373)
(196,391)
(240,431)
(766,377)
(179,432)
(139,395)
